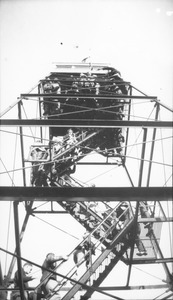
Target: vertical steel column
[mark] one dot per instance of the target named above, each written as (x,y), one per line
(18,252)
(127,135)
(137,203)
(133,246)
(142,157)
(21,143)
(50,152)
(152,145)
(21,237)
(1,275)
(153,237)
(41,130)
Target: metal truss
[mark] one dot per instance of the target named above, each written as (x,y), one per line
(136,193)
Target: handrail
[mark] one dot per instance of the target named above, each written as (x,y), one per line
(75,145)
(95,245)
(97,263)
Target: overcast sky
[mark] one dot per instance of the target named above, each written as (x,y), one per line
(135,36)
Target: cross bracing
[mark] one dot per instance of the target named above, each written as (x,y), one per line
(116,128)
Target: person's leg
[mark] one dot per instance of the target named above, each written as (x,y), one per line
(145,214)
(139,243)
(51,286)
(140,246)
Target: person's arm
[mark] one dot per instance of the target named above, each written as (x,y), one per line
(25,278)
(53,258)
(61,257)
(73,170)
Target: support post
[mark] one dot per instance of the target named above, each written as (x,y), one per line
(39,103)
(10,270)
(152,145)
(133,245)
(18,252)
(153,238)
(127,135)
(142,158)
(21,142)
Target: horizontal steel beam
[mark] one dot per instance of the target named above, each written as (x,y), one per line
(135,287)
(155,220)
(34,211)
(79,96)
(86,123)
(99,80)
(106,288)
(139,261)
(86,287)
(86,162)
(85,194)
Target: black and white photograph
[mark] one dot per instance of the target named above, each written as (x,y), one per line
(86,115)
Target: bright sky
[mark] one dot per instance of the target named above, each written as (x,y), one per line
(135,36)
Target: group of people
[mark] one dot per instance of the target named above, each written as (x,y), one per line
(50,163)
(116,219)
(27,277)
(48,280)
(54,162)
(84,84)
(91,216)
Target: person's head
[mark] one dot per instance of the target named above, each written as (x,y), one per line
(74,86)
(85,235)
(50,256)
(37,141)
(27,267)
(70,131)
(124,205)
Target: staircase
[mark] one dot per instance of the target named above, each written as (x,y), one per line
(48,164)
(104,259)
(103,270)
(102,266)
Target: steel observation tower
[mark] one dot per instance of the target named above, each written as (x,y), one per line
(84,121)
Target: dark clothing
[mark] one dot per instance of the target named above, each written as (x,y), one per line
(16,294)
(26,279)
(51,265)
(138,241)
(3,294)
(78,250)
(85,250)
(89,250)
(122,212)
(49,280)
